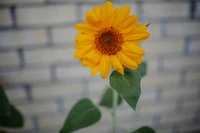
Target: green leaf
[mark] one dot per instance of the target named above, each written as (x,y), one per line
(4,103)
(14,120)
(83,114)
(144,129)
(142,69)
(106,100)
(127,85)
(147,25)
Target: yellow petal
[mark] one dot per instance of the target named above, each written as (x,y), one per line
(82,52)
(139,60)
(83,45)
(91,18)
(128,24)
(93,56)
(108,13)
(127,61)
(95,69)
(97,11)
(136,37)
(85,28)
(120,15)
(105,65)
(118,10)
(140,28)
(81,37)
(117,64)
(132,48)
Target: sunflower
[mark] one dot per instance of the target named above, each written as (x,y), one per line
(108,39)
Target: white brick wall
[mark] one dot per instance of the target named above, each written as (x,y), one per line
(20,1)
(16,93)
(55,90)
(183,28)
(19,38)
(44,30)
(163,46)
(64,34)
(75,72)
(9,58)
(23,76)
(182,62)
(46,15)
(49,56)
(170,9)
(39,108)
(5,17)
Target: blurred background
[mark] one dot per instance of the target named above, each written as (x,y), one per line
(43,81)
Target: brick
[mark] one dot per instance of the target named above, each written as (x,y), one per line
(155,31)
(63,35)
(193,76)
(20,1)
(75,72)
(160,79)
(46,15)
(37,108)
(166,9)
(56,90)
(49,56)
(22,37)
(183,28)
(194,47)
(180,62)
(9,58)
(5,17)
(16,94)
(184,92)
(163,46)
(52,121)
(25,75)
(28,125)
(86,8)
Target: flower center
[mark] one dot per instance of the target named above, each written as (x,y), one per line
(109,41)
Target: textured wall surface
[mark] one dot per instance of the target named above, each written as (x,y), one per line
(43,80)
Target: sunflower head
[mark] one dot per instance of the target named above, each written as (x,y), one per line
(109,39)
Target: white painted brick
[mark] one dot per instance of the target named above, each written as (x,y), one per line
(184,61)
(25,76)
(86,8)
(28,125)
(46,15)
(16,94)
(22,37)
(52,121)
(75,72)
(20,1)
(5,18)
(49,55)
(56,90)
(155,30)
(160,79)
(9,58)
(166,9)
(39,108)
(194,46)
(193,76)
(63,35)
(183,28)
(180,92)
(163,46)
(152,66)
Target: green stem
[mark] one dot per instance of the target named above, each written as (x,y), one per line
(113,111)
